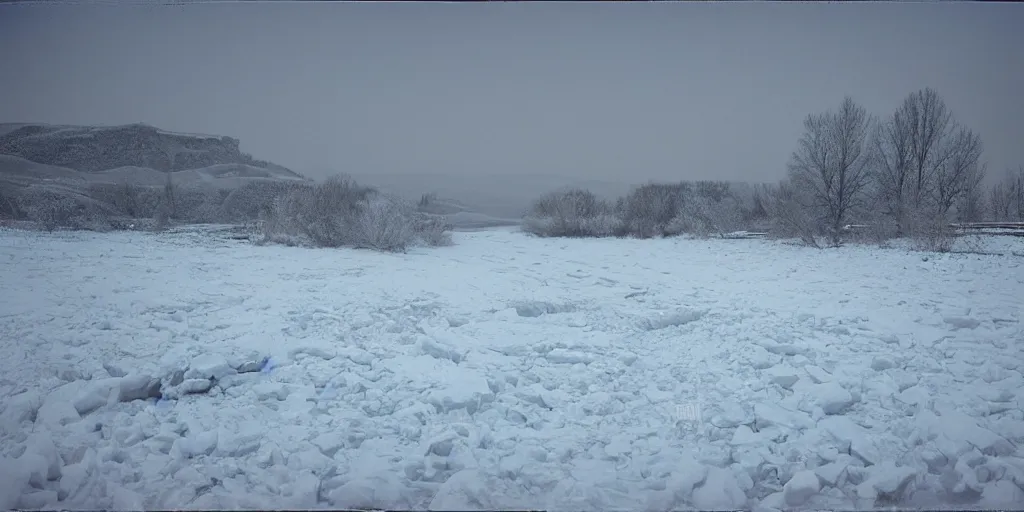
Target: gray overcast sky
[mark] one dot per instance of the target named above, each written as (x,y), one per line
(626,92)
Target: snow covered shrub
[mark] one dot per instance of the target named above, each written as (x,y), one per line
(340,213)
(755,201)
(303,214)
(539,226)
(199,204)
(149,199)
(47,209)
(571,213)
(871,226)
(57,207)
(123,198)
(931,233)
(321,215)
(790,215)
(329,212)
(649,210)
(162,217)
(877,231)
(384,223)
(8,204)
(127,201)
(249,201)
(433,230)
(603,225)
(704,216)
(279,223)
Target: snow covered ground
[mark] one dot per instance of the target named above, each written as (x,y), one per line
(182,370)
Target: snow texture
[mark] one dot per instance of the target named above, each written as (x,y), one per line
(185,371)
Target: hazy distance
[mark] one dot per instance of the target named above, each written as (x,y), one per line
(474,95)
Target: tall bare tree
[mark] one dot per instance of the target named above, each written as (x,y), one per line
(972,205)
(1016,194)
(929,122)
(891,144)
(831,164)
(1007,197)
(960,172)
(927,165)
(788,214)
(169,199)
(999,202)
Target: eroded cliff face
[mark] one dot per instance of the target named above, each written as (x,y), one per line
(94,149)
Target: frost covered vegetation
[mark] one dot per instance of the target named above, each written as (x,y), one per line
(340,213)
(335,213)
(653,210)
(911,174)
(137,176)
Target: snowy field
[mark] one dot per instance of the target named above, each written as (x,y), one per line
(183,370)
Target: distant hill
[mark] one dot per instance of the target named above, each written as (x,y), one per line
(137,154)
(219,176)
(20,172)
(94,177)
(92,149)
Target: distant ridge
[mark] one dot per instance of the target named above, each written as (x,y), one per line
(92,149)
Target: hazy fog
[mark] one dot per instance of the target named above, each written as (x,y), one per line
(615,92)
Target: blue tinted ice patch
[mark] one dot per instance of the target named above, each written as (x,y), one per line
(268,364)
(161,403)
(331,389)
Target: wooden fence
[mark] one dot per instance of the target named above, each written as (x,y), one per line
(990,228)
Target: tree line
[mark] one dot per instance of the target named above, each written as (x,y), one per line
(908,174)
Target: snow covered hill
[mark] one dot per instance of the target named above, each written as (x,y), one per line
(79,164)
(186,371)
(18,171)
(100,148)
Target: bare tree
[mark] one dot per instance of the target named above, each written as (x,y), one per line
(703,216)
(8,203)
(972,207)
(570,213)
(167,209)
(1007,197)
(927,164)
(961,170)
(759,198)
(129,199)
(831,164)
(999,202)
(649,210)
(929,122)
(891,144)
(790,215)
(1016,194)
